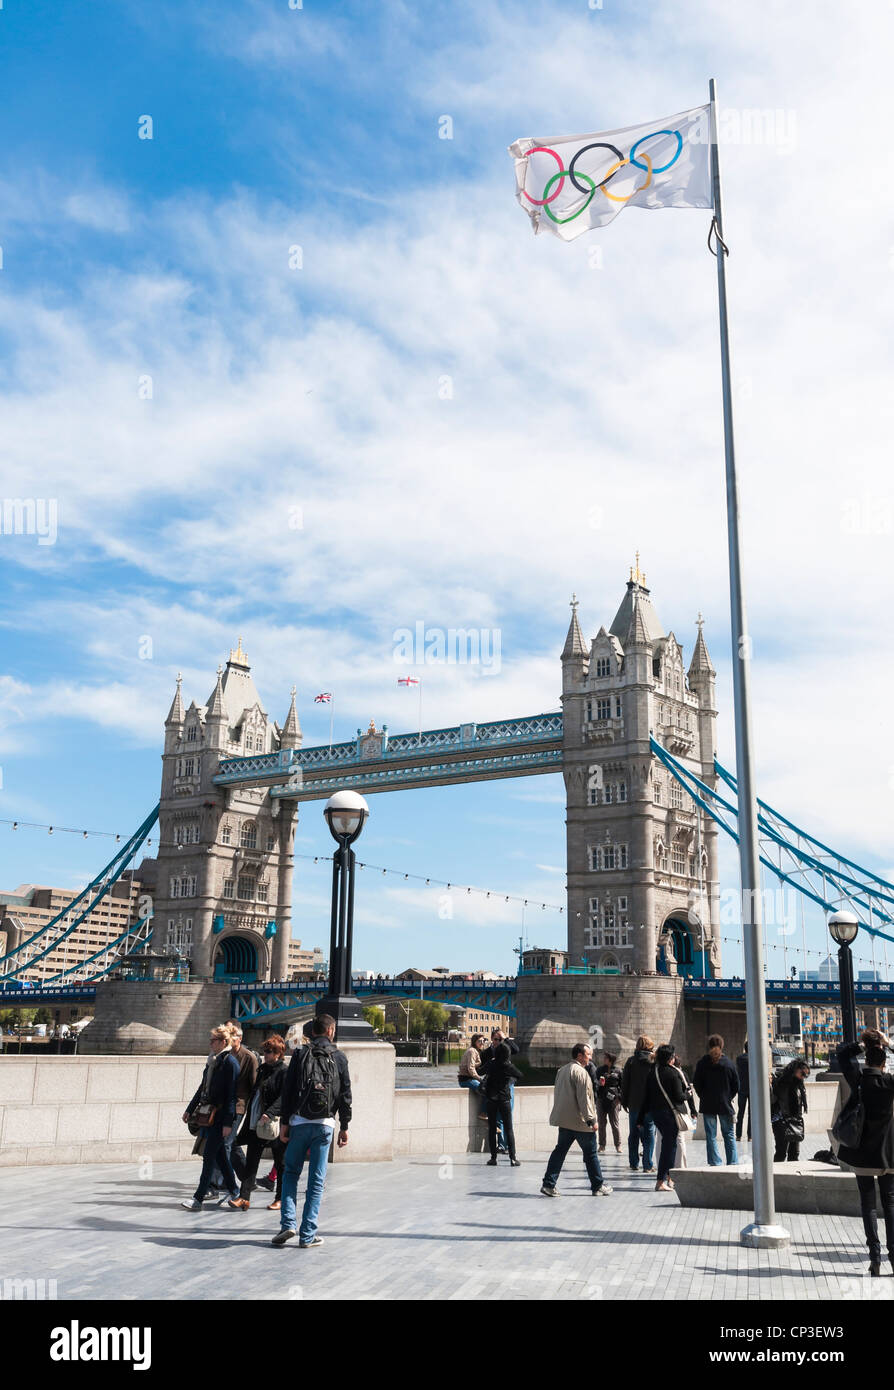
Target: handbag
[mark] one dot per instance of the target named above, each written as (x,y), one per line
(268,1129)
(793,1128)
(848,1128)
(682,1121)
(201,1118)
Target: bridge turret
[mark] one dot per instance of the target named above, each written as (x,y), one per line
(291,735)
(216,718)
(174,721)
(574,653)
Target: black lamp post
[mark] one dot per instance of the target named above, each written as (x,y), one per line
(843,928)
(346,813)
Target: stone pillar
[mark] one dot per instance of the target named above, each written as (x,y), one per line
(288,816)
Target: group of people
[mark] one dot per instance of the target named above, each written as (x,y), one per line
(487,1070)
(268,1102)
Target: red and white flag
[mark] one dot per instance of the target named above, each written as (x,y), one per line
(407,680)
(324,698)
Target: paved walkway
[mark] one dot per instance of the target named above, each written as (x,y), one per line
(415,1228)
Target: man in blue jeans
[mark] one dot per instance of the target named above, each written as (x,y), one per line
(316,1089)
(716,1082)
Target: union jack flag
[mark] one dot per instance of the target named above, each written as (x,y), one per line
(407,680)
(324,698)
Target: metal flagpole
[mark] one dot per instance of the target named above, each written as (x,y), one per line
(763,1231)
(331,718)
(420,712)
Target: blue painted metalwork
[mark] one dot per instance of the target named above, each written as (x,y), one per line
(116,945)
(94,891)
(217,924)
(793,991)
(260,1002)
(465,740)
(424,774)
(270,930)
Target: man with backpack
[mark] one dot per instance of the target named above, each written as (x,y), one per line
(316,1089)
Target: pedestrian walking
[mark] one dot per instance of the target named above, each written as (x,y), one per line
(665,1101)
(691,1108)
(260,1128)
(607,1093)
(866,1131)
(471,1077)
(717,1083)
(212,1111)
(633,1088)
(248,1071)
(788,1108)
(500,1076)
(742,1098)
(574,1115)
(317,1087)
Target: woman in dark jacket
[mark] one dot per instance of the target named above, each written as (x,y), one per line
(264,1104)
(873,1158)
(500,1076)
(788,1107)
(217,1091)
(665,1096)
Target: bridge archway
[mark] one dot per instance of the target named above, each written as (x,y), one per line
(678,933)
(236,961)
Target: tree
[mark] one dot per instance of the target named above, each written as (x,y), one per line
(374,1016)
(389,1030)
(426,1017)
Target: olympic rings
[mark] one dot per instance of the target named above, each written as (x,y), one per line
(597,145)
(614,197)
(541,202)
(637,144)
(549,211)
(648,167)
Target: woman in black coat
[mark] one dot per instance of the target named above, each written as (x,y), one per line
(788,1108)
(497,1090)
(872,1160)
(665,1097)
(266,1100)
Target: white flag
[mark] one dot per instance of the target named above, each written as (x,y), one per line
(576,182)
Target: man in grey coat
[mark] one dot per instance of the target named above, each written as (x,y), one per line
(574,1114)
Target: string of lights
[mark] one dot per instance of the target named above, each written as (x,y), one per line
(494,893)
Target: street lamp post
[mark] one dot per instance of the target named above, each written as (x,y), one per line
(346,813)
(843,928)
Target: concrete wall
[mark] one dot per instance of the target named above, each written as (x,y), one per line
(440,1121)
(122,1109)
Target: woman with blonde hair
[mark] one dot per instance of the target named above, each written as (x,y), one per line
(212,1111)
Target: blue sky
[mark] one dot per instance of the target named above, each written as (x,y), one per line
(582,419)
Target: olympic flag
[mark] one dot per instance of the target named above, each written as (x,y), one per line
(571,184)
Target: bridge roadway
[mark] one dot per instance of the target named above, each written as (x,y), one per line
(256,1003)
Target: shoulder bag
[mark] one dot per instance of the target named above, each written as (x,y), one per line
(682,1121)
(268,1129)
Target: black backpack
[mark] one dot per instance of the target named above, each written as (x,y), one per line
(319,1084)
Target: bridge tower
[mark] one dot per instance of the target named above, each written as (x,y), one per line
(641,856)
(226,855)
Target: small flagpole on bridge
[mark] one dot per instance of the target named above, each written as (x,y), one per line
(420,711)
(331,718)
(763,1232)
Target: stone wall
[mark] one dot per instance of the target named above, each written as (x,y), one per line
(145,1018)
(121,1109)
(556,1011)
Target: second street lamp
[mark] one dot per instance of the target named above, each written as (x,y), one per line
(346,814)
(843,928)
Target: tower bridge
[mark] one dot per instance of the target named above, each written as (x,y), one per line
(646,801)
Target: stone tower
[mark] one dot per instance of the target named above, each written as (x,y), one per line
(642,856)
(226,855)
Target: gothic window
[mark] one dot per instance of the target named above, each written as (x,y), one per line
(676,794)
(594,796)
(262,891)
(270,843)
(589,710)
(677,682)
(622,856)
(617,707)
(246,886)
(228,888)
(249,743)
(657,792)
(693,867)
(190,766)
(594,858)
(608,856)
(226,834)
(678,859)
(608,794)
(191,734)
(603,666)
(622,791)
(248,836)
(603,709)
(175,888)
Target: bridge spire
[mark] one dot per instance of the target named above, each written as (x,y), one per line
(574,642)
(175,714)
(701,662)
(291,735)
